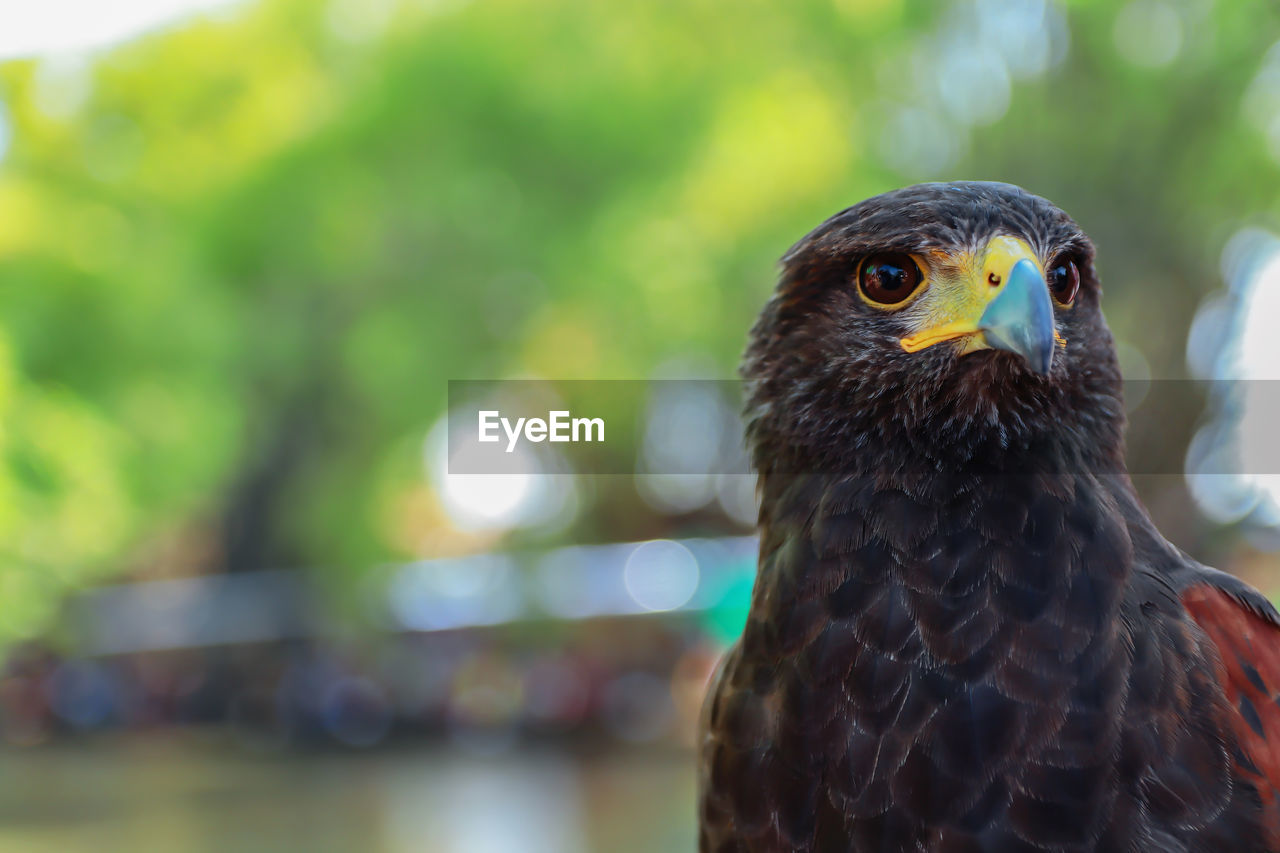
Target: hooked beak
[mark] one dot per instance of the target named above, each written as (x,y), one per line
(1020,319)
(1003,304)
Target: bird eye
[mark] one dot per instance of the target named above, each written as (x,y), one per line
(1064,280)
(889,278)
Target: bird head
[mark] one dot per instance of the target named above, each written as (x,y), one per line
(929,325)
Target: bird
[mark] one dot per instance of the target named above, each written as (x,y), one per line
(966,633)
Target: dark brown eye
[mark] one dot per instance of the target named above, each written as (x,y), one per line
(889,278)
(1064,280)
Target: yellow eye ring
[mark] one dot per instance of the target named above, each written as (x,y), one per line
(890,280)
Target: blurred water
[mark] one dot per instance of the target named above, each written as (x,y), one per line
(169,794)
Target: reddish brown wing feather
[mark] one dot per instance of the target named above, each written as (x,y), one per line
(1249,647)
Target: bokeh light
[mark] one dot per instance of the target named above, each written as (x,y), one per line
(1233,464)
(661,575)
(64,26)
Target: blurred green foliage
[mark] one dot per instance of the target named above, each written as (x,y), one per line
(240,259)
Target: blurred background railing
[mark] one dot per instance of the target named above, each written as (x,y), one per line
(501,686)
(475,648)
(246,246)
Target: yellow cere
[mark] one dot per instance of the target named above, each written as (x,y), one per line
(954,303)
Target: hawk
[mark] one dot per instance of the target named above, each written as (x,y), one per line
(966,634)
